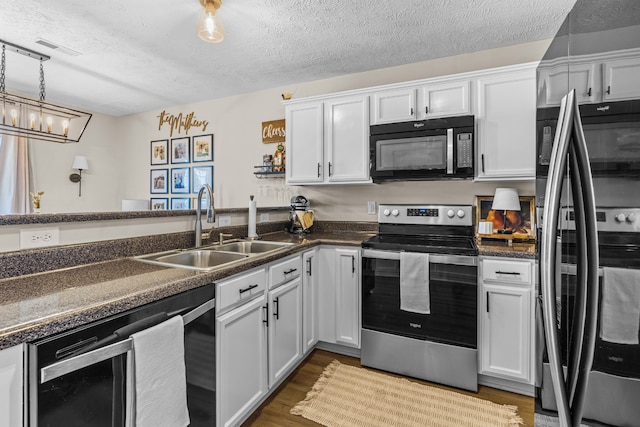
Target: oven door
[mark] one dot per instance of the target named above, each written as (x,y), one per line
(453,295)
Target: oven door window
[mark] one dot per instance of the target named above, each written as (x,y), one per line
(453,293)
(418,153)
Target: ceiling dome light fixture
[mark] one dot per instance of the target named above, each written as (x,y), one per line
(209,25)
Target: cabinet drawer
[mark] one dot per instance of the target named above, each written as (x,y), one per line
(284,271)
(507,271)
(241,288)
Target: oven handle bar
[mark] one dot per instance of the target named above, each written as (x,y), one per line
(433,258)
(81,361)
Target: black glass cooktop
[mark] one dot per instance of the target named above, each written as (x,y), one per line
(448,245)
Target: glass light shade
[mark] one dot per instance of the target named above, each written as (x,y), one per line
(506,199)
(80,162)
(209,25)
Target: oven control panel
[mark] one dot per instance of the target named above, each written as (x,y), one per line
(607,219)
(426,214)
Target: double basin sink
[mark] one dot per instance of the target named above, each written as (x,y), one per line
(210,257)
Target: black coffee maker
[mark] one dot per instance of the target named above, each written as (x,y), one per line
(300,217)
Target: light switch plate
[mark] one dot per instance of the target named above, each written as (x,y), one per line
(224,221)
(371,208)
(39,237)
(264,217)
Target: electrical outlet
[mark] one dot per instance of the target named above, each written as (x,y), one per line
(224,221)
(371,208)
(39,237)
(264,217)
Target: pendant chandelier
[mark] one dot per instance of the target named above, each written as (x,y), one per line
(37,119)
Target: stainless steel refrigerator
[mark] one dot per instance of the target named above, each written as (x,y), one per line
(588,203)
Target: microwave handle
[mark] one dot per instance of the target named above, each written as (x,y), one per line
(449,151)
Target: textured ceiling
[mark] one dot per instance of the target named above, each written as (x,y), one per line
(141,55)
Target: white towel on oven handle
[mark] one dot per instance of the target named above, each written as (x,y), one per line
(620,313)
(414,283)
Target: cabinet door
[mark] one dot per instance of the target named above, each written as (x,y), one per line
(394,106)
(347,139)
(285,329)
(506,123)
(241,361)
(553,84)
(444,99)
(348,297)
(582,78)
(309,300)
(304,128)
(621,79)
(506,333)
(11,386)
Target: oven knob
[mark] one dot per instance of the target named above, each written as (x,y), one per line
(631,217)
(460,213)
(451,213)
(395,212)
(386,212)
(620,217)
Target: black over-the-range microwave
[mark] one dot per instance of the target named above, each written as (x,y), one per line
(423,150)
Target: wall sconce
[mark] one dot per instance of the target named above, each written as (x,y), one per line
(80,163)
(506,199)
(209,24)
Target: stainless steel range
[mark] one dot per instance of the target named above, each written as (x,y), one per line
(419,294)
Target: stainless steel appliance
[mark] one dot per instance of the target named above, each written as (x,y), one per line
(587,188)
(78,378)
(440,346)
(422,150)
(299,215)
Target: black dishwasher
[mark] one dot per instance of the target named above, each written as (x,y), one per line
(94,392)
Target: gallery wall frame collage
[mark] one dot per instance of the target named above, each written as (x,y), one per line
(188,165)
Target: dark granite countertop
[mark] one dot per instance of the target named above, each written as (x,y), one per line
(37,305)
(499,249)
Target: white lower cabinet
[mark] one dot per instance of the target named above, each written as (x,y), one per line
(339,296)
(309,300)
(506,319)
(11,386)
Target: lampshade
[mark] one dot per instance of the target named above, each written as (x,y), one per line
(209,25)
(506,199)
(80,162)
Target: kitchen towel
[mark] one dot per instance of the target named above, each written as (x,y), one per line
(159,378)
(251,227)
(620,317)
(414,282)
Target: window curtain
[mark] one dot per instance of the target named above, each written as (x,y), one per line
(14,175)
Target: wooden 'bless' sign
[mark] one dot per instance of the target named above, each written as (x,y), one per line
(273,131)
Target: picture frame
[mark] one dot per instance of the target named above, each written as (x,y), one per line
(201,175)
(159,181)
(202,148)
(180,203)
(204,202)
(180,150)
(180,182)
(160,152)
(159,204)
(522,223)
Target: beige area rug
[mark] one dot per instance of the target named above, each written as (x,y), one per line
(346,396)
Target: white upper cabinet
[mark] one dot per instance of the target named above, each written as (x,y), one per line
(506,125)
(391,106)
(328,141)
(444,99)
(621,79)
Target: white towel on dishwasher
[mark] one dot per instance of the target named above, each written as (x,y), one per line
(414,283)
(620,314)
(159,376)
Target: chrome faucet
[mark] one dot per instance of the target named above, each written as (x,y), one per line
(221,237)
(211,212)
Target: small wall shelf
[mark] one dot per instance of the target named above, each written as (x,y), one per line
(262,172)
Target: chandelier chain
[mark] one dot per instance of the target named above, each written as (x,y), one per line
(42,87)
(2,69)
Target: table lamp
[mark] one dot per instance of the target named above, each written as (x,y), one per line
(505,199)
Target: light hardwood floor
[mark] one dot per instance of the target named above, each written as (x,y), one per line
(275,411)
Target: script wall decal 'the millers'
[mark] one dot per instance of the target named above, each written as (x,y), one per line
(181,122)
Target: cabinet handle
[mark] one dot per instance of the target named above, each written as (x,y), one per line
(276,308)
(608,90)
(353,264)
(290,271)
(411,112)
(309,266)
(265,311)
(589,92)
(482,159)
(247,289)
(426,109)
(330,165)
(319,166)
(487,302)
(513,273)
